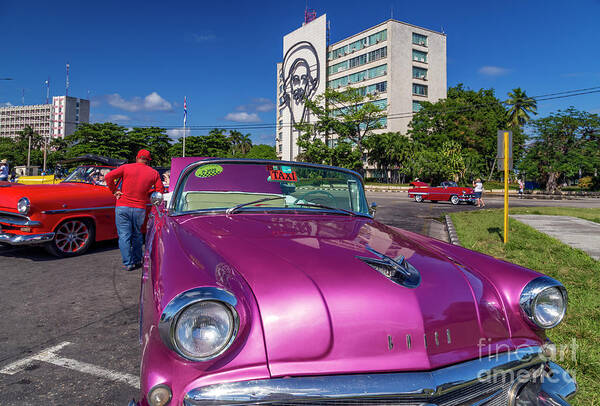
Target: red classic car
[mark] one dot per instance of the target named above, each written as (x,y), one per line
(66,217)
(447,191)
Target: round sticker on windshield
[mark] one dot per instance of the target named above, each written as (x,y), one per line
(208,171)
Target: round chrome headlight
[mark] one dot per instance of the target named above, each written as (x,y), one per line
(200,324)
(544,302)
(204,330)
(23,206)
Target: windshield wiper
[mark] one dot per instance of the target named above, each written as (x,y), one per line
(233,209)
(322,206)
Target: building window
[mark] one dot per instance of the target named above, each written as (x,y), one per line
(419,73)
(357,45)
(419,56)
(420,90)
(280,148)
(377,54)
(417,106)
(377,71)
(338,67)
(419,39)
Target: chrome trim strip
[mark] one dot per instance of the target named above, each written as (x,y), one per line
(419,193)
(17,219)
(407,385)
(171,312)
(27,239)
(73,210)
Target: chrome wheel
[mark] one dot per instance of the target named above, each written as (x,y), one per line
(454,200)
(418,198)
(72,237)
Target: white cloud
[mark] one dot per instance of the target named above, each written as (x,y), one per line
(263,104)
(204,37)
(152,102)
(243,117)
(118,117)
(493,71)
(176,133)
(6,104)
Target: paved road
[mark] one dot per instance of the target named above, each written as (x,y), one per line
(92,305)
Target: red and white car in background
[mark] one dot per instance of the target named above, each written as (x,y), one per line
(447,191)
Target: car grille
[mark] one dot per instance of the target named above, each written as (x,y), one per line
(493,393)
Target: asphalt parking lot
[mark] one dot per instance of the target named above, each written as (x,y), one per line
(69,327)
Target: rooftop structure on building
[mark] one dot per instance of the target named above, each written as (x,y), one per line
(58,119)
(400,64)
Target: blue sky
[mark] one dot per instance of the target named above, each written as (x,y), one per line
(138,59)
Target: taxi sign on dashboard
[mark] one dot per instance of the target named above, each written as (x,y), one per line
(281,176)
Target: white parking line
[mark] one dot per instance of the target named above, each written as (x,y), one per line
(49,356)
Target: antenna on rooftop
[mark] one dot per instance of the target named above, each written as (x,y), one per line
(391,12)
(309,15)
(67,86)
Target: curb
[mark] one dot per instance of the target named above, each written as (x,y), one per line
(452,231)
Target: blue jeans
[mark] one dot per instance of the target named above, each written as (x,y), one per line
(129,222)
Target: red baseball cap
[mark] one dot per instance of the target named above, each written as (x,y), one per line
(144,153)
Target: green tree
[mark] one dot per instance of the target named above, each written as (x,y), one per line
(261,151)
(454,161)
(105,139)
(470,118)
(154,139)
(520,106)
(216,144)
(561,145)
(343,116)
(240,143)
(390,150)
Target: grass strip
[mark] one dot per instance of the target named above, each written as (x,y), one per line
(482,231)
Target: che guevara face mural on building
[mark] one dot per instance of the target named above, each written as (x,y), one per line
(301,79)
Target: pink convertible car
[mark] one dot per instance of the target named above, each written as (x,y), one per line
(270,282)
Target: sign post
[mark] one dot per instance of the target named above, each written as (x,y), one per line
(505,162)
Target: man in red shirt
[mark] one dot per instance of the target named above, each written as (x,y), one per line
(139,181)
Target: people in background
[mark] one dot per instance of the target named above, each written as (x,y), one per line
(521,187)
(3,170)
(478,189)
(138,181)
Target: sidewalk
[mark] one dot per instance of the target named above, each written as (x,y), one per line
(578,233)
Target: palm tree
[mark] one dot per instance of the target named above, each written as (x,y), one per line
(245,143)
(520,105)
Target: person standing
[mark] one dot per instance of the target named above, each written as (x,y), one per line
(521,187)
(138,181)
(478,189)
(3,170)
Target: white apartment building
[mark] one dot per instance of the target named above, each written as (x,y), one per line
(400,64)
(59,119)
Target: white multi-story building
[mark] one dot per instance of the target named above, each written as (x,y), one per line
(59,119)
(400,64)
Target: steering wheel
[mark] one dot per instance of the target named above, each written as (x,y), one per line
(325,194)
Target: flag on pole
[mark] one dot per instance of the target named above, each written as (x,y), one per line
(184,110)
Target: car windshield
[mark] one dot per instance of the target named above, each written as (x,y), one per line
(449,184)
(89,174)
(243,186)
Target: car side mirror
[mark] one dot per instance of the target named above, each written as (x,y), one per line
(156,198)
(373,209)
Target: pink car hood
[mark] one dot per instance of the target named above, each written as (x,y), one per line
(324,311)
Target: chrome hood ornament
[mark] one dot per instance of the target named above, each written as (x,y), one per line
(398,270)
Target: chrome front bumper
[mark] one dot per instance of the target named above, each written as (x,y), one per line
(25,239)
(489,381)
